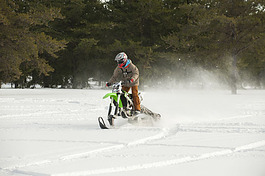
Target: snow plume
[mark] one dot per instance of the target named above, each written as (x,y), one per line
(192,78)
(204,79)
(188,95)
(179,105)
(195,104)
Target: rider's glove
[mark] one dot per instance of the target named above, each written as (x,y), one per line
(130,81)
(108,84)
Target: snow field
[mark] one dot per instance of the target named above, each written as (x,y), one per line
(55,132)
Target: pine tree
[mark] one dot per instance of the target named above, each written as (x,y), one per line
(23,43)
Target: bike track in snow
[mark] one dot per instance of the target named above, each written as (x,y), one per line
(166,162)
(163,134)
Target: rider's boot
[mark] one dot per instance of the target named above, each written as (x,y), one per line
(137,112)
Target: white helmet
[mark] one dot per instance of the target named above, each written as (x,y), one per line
(121,59)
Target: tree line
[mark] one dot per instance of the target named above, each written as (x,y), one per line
(65,42)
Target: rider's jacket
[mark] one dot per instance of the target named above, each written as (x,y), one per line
(126,74)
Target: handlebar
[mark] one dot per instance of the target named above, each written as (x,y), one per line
(118,83)
(116,87)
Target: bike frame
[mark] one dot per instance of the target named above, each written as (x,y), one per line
(115,97)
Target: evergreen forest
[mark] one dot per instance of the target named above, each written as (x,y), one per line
(172,42)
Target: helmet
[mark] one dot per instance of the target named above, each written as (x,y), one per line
(121,59)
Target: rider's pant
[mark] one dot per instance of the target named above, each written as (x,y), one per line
(136,100)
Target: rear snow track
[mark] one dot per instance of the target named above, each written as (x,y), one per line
(167,162)
(150,165)
(165,132)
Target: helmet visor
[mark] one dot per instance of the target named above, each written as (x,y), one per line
(120,61)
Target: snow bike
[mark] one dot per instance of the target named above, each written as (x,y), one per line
(121,105)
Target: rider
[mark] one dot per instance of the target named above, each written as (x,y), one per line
(127,72)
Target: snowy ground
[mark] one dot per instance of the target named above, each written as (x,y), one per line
(203,133)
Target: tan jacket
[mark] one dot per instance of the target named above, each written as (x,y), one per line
(126,74)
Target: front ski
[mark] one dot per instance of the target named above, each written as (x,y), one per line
(102,124)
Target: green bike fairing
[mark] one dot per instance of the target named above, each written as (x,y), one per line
(114,96)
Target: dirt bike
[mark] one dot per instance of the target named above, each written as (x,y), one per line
(121,105)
